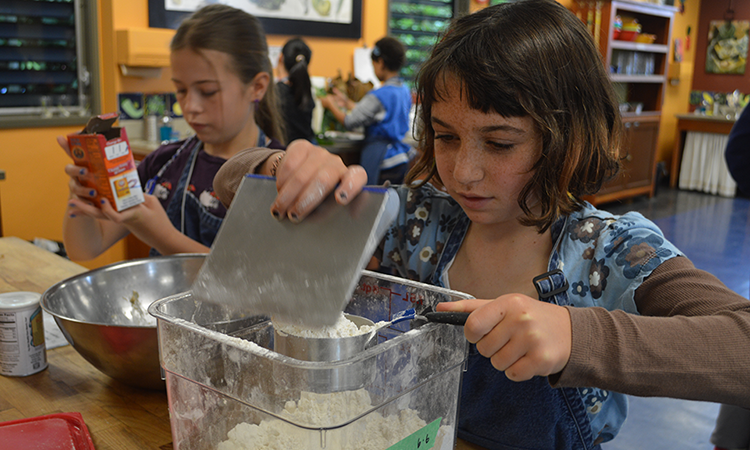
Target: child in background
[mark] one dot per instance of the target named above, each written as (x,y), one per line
(221,72)
(384,112)
(295,90)
(574,307)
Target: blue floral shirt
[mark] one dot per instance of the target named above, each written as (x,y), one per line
(604,259)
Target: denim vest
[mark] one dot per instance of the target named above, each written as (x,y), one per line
(498,413)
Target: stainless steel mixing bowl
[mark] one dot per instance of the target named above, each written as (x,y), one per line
(103,313)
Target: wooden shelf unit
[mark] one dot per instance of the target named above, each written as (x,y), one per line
(639,72)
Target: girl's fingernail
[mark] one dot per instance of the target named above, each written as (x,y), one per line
(342,195)
(293,217)
(102,201)
(92,193)
(72,216)
(71,205)
(82,171)
(276,214)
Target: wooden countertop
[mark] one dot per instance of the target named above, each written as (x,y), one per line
(117,416)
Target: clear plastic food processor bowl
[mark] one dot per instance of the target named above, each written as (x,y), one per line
(228,389)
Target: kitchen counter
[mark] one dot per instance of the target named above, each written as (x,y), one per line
(117,416)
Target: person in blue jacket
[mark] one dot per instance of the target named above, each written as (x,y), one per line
(384,112)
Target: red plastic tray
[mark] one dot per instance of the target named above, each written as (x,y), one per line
(63,431)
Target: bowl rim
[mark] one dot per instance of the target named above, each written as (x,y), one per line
(108,268)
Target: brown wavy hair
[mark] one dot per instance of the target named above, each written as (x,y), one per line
(240,35)
(530,58)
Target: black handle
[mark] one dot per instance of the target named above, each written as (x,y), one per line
(452,318)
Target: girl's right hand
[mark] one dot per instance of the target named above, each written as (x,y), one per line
(305,177)
(82,198)
(340,98)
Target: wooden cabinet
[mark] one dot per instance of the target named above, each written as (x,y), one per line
(639,73)
(638,158)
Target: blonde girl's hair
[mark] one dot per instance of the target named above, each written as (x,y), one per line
(240,35)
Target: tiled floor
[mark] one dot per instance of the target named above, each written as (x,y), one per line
(714,232)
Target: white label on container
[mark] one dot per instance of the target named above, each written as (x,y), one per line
(116,150)
(127,190)
(22,350)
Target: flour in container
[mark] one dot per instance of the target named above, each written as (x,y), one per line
(342,328)
(372,432)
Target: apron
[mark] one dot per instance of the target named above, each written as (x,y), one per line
(527,415)
(185,210)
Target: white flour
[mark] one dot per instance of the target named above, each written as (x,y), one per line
(372,432)
(343,328)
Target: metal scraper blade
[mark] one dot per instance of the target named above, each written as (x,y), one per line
(301,273)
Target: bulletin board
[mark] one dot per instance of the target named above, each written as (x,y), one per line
(324,18)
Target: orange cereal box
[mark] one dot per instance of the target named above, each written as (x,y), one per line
(104,150)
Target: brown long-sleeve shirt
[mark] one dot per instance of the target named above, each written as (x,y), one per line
(227,179)
(691,341)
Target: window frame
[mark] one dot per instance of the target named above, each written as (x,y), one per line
(87,53)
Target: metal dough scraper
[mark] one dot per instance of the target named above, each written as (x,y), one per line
(301,273)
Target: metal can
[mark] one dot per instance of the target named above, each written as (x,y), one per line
(22,348)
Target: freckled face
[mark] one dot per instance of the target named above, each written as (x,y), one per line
(483,159)
(214,101)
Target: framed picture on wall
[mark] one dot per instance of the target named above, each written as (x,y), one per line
(325,18)
(727,47)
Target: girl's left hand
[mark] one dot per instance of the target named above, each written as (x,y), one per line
(148,221)
(522,336)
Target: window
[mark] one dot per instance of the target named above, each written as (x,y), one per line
(48,64)
(418,24)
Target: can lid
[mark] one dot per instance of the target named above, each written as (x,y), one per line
(18,300)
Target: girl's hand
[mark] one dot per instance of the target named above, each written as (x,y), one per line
(340,98)
(148,221)
(327,102)
(306,176)
(522,336)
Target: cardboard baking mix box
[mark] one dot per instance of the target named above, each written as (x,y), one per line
(104,150)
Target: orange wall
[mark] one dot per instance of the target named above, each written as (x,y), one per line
(329,55)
